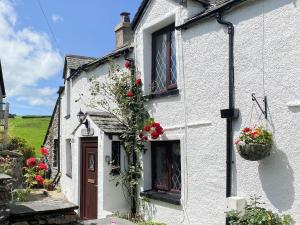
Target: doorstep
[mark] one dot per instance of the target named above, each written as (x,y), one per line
(107,221)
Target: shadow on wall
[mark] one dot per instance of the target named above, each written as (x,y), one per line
(277,179)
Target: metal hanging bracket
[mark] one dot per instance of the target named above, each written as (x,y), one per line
(265,110)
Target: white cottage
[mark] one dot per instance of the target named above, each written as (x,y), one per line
(184,50)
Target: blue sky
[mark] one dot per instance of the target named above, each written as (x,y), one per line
(32,60)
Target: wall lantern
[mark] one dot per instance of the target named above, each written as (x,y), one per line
(81,117)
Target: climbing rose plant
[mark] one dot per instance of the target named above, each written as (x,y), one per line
(121,95)
(36,169)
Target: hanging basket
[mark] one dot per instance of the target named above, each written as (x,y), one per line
(254,152)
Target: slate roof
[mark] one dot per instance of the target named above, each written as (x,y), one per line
(107,122)
(114,54)
(76,61)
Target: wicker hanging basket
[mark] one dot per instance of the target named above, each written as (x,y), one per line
(254,152)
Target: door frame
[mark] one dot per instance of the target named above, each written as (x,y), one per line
(82,183)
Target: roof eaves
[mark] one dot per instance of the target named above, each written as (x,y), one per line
(139,14)
(209,12)
(114,54)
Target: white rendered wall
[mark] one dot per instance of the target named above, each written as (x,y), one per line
(110,197)
(203,84)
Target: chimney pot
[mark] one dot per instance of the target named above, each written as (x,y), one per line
(125,17)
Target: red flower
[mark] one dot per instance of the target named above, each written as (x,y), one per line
(129,94)
(141,135)
(159,130)
(31,162)
(44,151)
(246,129)
(145,138)
(147,128)
(127,64)
(43,166)
(156,125)
(138,82)
(39,179)
(254,134)
(154,134)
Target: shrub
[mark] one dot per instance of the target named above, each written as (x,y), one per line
(20,144)
(17,143)
(151,223)
(255,215)
(20,195)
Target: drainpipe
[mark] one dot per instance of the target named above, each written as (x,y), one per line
(231,113)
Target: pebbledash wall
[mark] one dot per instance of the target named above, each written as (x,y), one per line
(110,198)
(267,63)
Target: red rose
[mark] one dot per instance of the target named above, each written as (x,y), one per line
(138,82)
(44,151)
(246,129)
(159,130)
(154,134)
(156,125)
(127,64)
(129,94)
(31,162)
(39,179)
(145,138)
(141,135)
(147,128)
(43,166)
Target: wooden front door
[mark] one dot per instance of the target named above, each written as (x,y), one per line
(89,181)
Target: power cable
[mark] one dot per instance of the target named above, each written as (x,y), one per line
(49,26)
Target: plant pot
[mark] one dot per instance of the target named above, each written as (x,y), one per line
(254,152)
(50,187)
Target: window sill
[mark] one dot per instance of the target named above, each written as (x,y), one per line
(169,93)
(67,117)
(168,197)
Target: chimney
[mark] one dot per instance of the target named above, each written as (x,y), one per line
(123,31)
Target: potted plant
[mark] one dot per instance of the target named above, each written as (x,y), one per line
(254,143)
(49,185)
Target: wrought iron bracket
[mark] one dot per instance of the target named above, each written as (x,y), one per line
(265,101)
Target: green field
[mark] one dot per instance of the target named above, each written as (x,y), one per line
(33,130)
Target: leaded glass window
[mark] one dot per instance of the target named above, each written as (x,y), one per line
(164,74)
(166,166)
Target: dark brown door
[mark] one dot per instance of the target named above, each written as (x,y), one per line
(89,182)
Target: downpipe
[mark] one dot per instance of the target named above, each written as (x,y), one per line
(231,113)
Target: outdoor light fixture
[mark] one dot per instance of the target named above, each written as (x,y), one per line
(81,117)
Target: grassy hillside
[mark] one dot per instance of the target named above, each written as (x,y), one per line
(31,129)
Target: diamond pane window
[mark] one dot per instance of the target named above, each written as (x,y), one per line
(166,166)
(164,74)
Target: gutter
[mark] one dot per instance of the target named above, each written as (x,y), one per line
(208,13)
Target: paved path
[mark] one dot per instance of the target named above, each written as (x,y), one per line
(108,221)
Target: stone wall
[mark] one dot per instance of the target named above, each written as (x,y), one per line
(52,135)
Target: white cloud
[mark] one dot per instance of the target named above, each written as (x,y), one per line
(56,18)
(27,56)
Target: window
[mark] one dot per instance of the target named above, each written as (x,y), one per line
(68,158)
(116,157)
(164,74)
(166,166)
(55,153)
